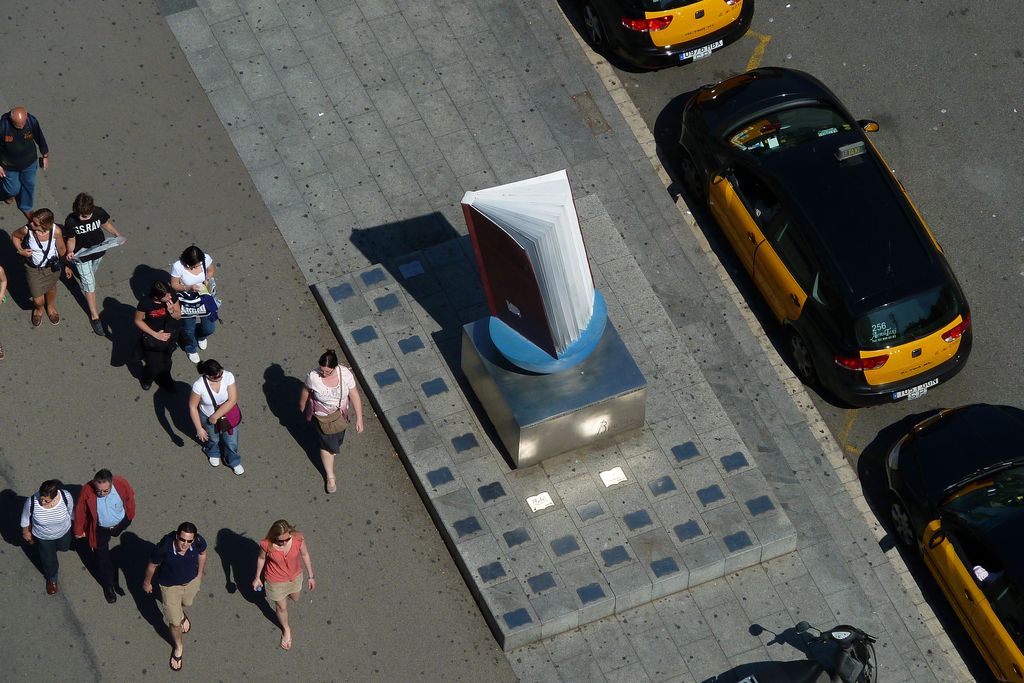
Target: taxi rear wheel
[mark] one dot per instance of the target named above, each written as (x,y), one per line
(803,361)
(901,524)
(594,28)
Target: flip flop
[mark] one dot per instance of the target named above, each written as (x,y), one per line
(175,659)
(186,625)
(286,644)
(37,318)
(332,485)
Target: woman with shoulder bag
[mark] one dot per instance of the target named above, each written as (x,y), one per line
(194,272)
(41,244)
(46,523)
(158,317)
(213,406)
(329,397)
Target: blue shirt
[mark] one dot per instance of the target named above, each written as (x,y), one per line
(109,508)
(175,569)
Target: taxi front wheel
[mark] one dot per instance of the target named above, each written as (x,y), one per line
(593,28)
(803,362)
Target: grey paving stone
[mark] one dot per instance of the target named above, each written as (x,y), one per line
(191,29)
(325,56)
(255,148)
(393,103)
(373,9)
(301,157)
(683,619)
(566,646)
(233,106)
(558,535)
(609,645)
(580,669)
(640,619)
(390,386)
(486,471)
(280,46)
(305,18)
(581,492)
(740,545)
(417,144)
(462,154)
(168,7)
(826,567)
(439,393)
(412,435)
(275,186)
(211,68)
(261,14)
(346,164)
(368,203)
(535,571)
(260,83)
(631,509)
(507,160)
(705,485)
(658,654)
(322,194)
(532,481)
(664,566)
(634,673)
(370,134)
(328,129)
(704,560)
(348,94)
(438,43)
(461,517)
(556,610)
(804,601)
(308,96)
(393,175)
(462,83)
(605,536)
(218,10)
(593,596)
(397,39)
(705,659)
(236,39)
(485,560)
(754,589)
(631,585)
(439,113)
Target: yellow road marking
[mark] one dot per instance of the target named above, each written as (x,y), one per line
(844,433)
(758,54)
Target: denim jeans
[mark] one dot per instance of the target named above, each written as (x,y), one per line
(193,329)
(221,445)
(48,554)
(22,185)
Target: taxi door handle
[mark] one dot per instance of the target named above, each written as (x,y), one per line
(750,236)
(796,301)
(967,594)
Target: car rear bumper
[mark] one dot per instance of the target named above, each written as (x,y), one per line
(636,48)
(852,388)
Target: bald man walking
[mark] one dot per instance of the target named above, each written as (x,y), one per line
(20,134)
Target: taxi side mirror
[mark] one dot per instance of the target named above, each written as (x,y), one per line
(868,125)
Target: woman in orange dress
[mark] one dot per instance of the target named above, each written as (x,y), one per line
(282,554)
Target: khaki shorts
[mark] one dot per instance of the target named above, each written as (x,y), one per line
(173,600)
(278,591)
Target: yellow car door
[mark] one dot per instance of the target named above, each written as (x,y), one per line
(731,214)
(967,599)
(783,269)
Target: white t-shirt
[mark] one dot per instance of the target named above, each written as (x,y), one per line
(206,407)
(48,523)
(187,277)
(328,399)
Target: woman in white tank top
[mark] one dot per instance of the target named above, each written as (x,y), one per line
(41,244)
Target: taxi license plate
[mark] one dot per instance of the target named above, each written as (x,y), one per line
(915,392)
(701,52)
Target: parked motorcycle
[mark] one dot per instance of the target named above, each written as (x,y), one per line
(853,660)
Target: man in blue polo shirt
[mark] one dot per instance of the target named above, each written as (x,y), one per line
(181,558)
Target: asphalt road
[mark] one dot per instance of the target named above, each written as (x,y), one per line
(946,84)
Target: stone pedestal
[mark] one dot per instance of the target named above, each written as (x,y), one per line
(540,416)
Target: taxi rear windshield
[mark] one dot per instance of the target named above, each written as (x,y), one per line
(907,320)
(788,128)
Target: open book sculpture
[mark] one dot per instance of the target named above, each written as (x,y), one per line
(546,314)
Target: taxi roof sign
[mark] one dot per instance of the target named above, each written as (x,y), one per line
(851,150)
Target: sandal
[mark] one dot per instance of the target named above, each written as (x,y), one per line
(286,644)
(54,317)
(37,318)
(331,486)
(186,625)
(175,659)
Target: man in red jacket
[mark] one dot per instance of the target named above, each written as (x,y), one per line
(105,508)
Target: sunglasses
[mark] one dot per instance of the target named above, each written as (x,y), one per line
(282,541)
(216,377)
(186,541)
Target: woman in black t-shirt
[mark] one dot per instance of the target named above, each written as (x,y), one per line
(158,316)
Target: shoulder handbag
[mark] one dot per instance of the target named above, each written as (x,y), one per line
(229,420)
(335,422)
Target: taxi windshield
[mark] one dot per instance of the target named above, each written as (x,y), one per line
(906,320)
(788,128)
(990,500)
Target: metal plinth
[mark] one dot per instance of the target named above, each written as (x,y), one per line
(540,416)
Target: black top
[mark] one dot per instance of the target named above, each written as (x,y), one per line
(175,569)
(157,316)
(86,233)
(18,146)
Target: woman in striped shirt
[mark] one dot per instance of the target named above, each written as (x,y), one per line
(46,523)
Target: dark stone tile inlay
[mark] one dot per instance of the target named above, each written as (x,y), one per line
(387,377)
(373,277)
(492,491)
(434,387)
(687,530)
(364,334)
(664,567)
(411,420)
(467,526)
(590,592)
(564,545)
(760,505)
(440,477)
(614,556)
(516,537)
(410,344)
(662,485)
(685,451)
(737,541)
(519,617)
(492,571)
(464,443)
(734,461)
(386,302)
(710,495)
(636,520)
(341,292)
(590,510)
(541,582)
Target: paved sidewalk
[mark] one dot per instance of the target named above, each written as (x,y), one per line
(351,116)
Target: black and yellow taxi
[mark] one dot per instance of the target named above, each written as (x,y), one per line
(956,483)
(870,307)
(655,33)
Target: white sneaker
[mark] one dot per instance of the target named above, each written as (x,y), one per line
(238,469)
(215,462)
(194,357)
(202,344)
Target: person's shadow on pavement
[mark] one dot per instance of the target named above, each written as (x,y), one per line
(131,556)
(238,554)
(176,406)
(119,321)
(11,505)
(282,395)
